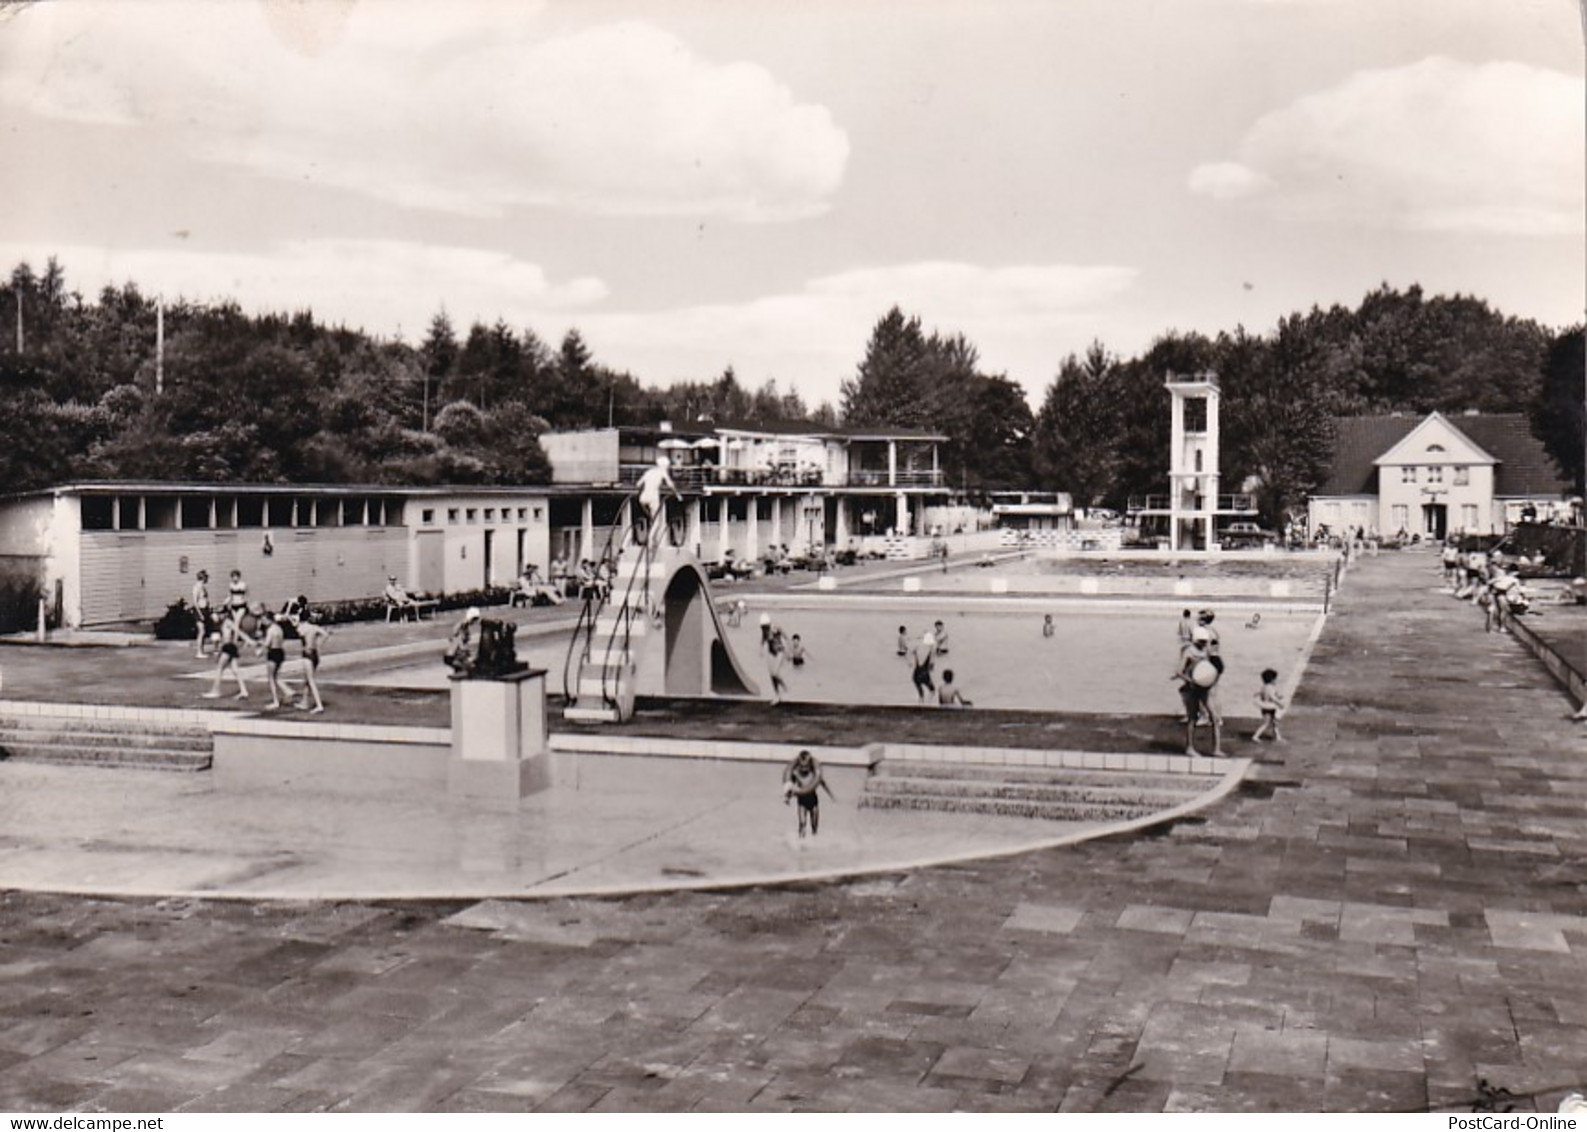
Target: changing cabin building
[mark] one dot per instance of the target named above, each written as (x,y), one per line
(115,552)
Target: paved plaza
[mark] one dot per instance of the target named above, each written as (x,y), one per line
(1390,913)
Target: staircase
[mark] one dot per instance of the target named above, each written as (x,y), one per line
(1052,794)
(149,744)
(598,675)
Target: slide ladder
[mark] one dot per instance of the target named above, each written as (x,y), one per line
(655,632)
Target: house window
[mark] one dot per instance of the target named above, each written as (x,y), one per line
(1401,517)
(1435,473)
(1408,473)
(490,514)
(539,514)
(1468,516)
(451,514)
(1462,476)
(427,515)
(472,514)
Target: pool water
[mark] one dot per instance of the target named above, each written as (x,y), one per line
(1285,578)
(1110,660)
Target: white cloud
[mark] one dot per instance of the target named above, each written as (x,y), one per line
(470,108)
(1022,319)
(1227,180)
(1439,145)
(378,286)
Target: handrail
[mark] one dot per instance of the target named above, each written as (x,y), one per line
(625,614)
(585,624)
(593,604)
(583,642)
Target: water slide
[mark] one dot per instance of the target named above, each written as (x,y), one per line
(658,634)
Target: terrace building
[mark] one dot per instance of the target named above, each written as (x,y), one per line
(747,488)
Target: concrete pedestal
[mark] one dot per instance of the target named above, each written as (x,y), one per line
(499,736)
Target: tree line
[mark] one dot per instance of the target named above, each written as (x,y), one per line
(1102,430)
(282,397)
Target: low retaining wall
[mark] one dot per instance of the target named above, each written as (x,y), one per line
(1571,680)
(358,758)
(1079,539)
(252,753)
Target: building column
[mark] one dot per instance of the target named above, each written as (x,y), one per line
(903,514)
(721,529)
(843,533)
(1176,452)
(587,530)
(752,534)
(892,463)
(625,521)
(776,520)
(691,537)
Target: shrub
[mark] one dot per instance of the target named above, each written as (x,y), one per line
(178,622)
(19,601)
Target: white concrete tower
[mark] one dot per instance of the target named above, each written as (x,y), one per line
(1193,461)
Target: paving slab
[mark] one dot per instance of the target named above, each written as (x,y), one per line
(1387,913)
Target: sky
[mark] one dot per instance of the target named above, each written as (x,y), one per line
(697,184)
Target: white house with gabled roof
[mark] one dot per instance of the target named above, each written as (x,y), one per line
(1435,475)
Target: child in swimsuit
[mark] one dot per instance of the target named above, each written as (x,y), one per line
(231,636)
(801,779)
(275,650)
(313,636)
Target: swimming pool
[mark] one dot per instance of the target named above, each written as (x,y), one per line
(1283,577)
(1113,658)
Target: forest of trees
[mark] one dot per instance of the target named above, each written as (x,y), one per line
(284,398)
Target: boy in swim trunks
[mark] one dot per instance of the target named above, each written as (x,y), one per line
(1271,704)
(202,610)
(231,638)
(275,650)
(313,636)
(921,660)
(801,779)
(949,695)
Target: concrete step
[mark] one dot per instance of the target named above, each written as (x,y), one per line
(589,713)
(598,660)
(67,740)
(91,733)
(1047,793)
(627,570)
(995,772)
(1080,793)
(592,689)
(607,626)
(1009,807)
(143,758)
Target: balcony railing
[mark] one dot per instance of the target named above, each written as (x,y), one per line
(695,477)
(904,477)
(1227,504)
